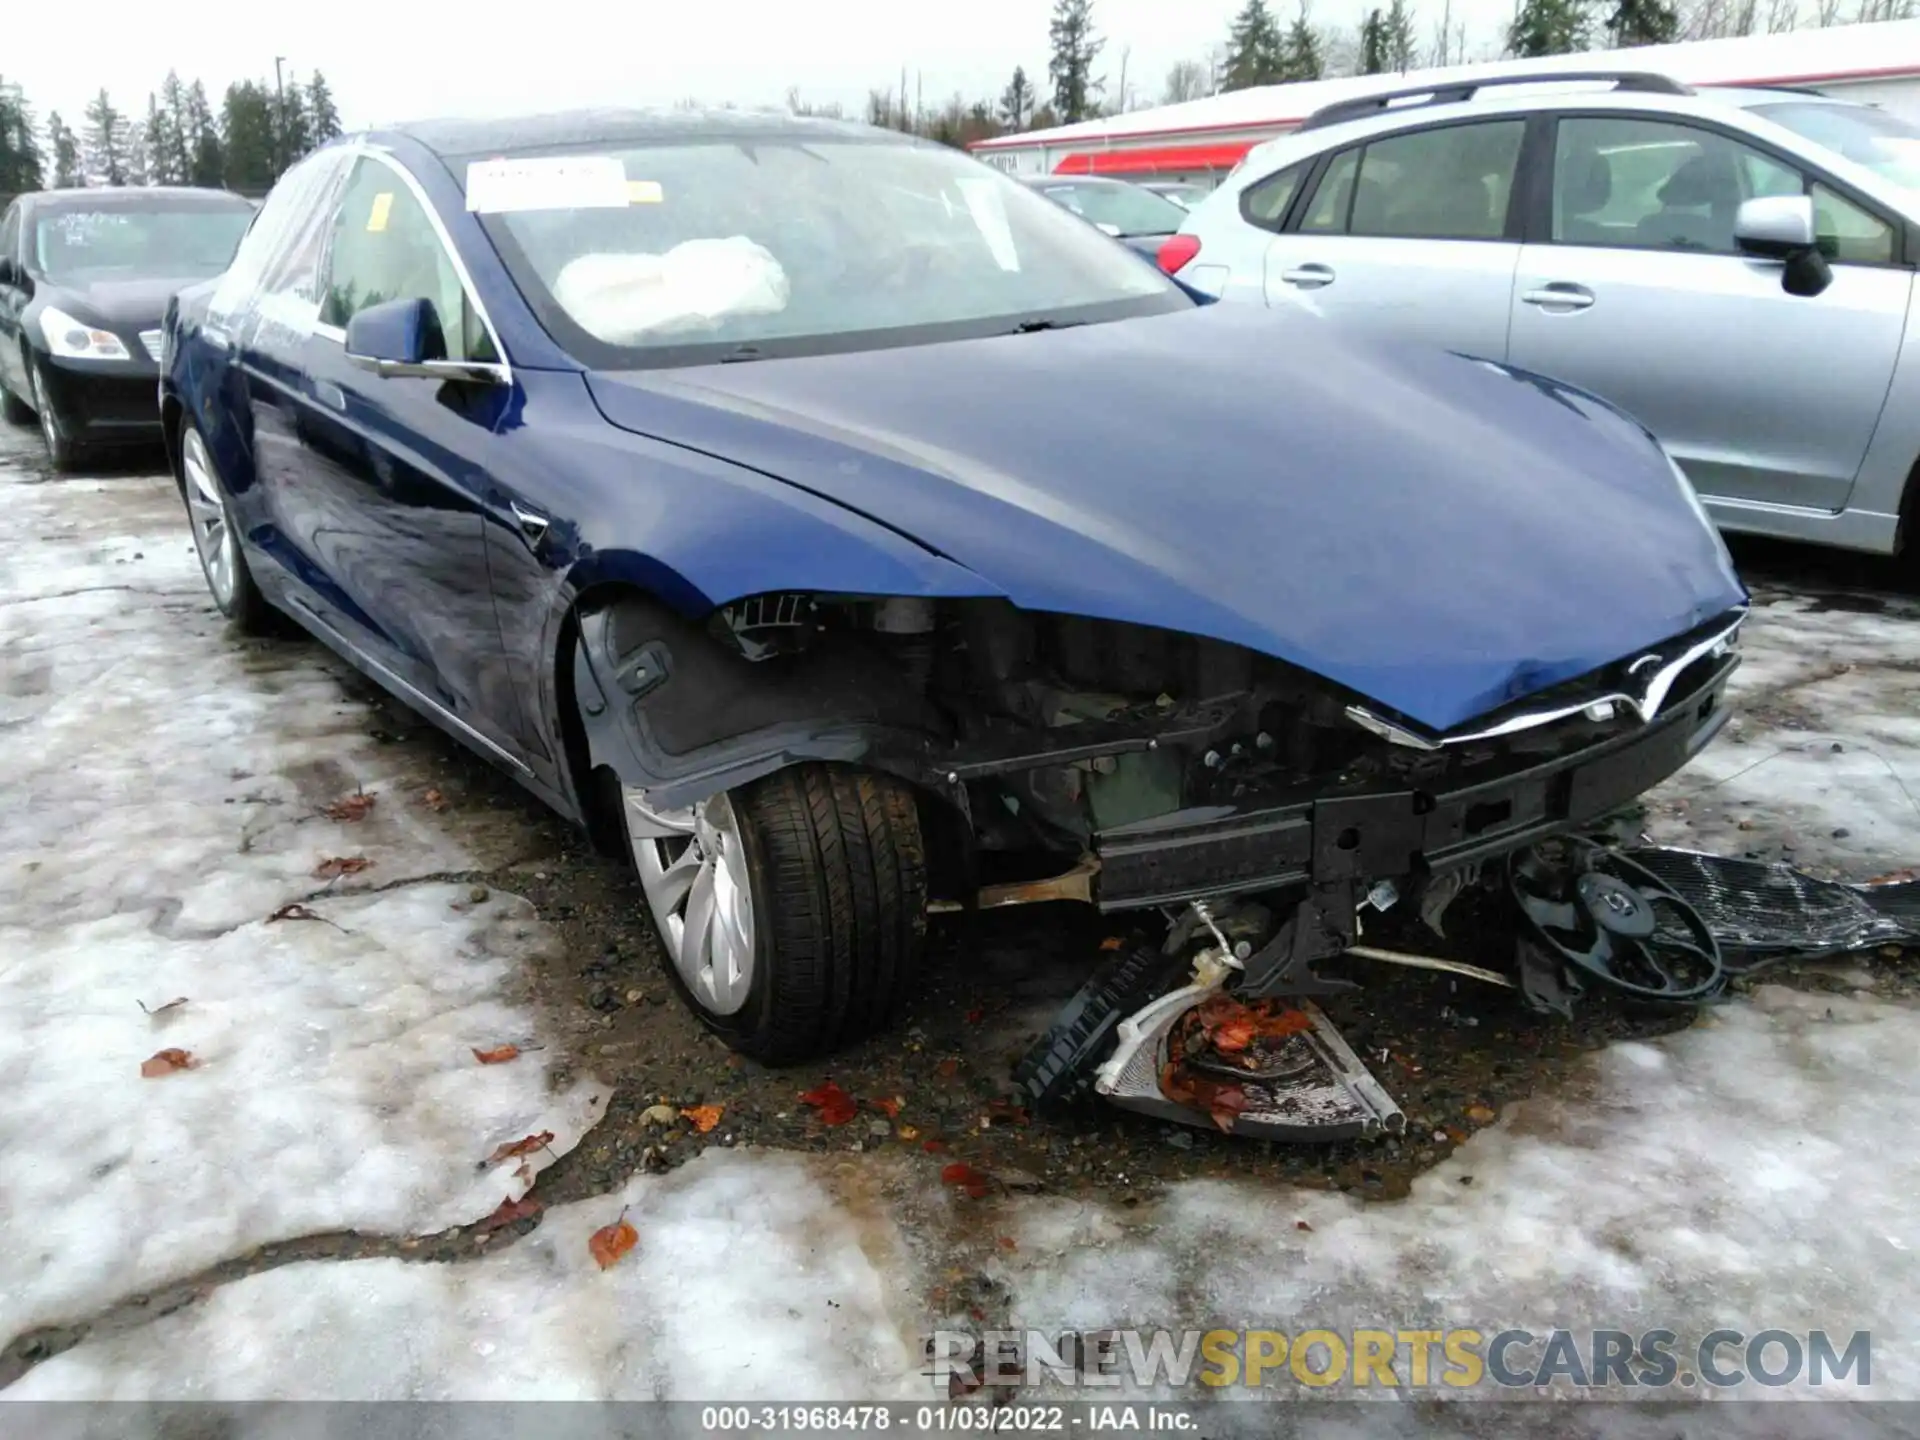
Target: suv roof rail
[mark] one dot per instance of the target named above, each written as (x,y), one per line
(1452,91)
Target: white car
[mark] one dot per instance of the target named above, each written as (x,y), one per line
(1733,267)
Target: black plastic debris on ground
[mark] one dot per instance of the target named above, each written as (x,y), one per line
(1764,911)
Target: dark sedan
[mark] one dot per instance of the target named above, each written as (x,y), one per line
(1125,211)
(85,276)
(844,531)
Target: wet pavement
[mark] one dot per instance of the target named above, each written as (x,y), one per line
(173,788)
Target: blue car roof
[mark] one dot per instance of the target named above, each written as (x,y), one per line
(462,139)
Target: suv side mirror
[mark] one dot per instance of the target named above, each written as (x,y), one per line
(1781,227)
(1775,227)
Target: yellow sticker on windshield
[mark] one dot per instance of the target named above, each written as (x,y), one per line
(382,207)
(644,192)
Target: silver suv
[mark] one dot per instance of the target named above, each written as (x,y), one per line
(1734,267)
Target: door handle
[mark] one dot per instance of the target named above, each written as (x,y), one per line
(1308,277)
(532,523)
(1559,295)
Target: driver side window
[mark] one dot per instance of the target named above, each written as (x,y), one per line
(384,247)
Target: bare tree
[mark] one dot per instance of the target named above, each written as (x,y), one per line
(1449,39)
(1782,15)
(1187,80)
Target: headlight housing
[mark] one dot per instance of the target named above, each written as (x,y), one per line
(68,338)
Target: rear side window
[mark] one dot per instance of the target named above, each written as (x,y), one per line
(1451,183)
(281,251)
(1265,202)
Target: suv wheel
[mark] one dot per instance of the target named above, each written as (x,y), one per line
(791,911)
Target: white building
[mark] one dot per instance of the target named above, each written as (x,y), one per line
(1204,139)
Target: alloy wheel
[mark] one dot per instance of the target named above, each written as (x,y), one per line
(213,536)
(49,427)
(693,868)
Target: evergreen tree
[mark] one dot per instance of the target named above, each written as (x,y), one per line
(207,158)
(64,147)
(177,161)
(323,118)
(1256,50)
(20,160)
(292,135)
(247,137)
(1403,48)
(137,166)
(1642,22)
(1549,27)
(105,142)
(1016,101)
(1301,57)
(1373,44)
(161,146)
(1075,48)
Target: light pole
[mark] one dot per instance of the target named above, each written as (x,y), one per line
(279,116)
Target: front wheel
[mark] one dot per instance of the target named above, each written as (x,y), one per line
(792,911)
(63,450)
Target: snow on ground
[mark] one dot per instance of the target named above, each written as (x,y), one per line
(164,788)
(1754,1171)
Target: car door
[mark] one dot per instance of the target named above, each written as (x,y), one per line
(383,493)
(1408,236)
(13,300)
(1632,287)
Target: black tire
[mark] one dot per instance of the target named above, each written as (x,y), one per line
(63,451)
(246,609)
(839,882)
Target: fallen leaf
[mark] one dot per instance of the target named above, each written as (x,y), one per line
(525,1146)
(1234,1035)
(1456,1134)
(1480,1114)
(334,866)
(499,1055)
(610,1242)
(1007,1242)
(658,1115)
(934,1147)
(836,1107)
(888,1108)
(965,1177)
(162,1009)
(1007,1112)
(433,800)
(1301,1225)
(908,1132)
(293,912)
(947,1069)
(351,807)
(704,1117)
(1112,942)
(165,1062)
(974,1017)
(509,1212)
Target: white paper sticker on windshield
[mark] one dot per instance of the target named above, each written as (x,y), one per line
(547,182)
(990,215)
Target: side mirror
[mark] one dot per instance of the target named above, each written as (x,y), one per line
(404,337)
(1781,227)
(1775,227)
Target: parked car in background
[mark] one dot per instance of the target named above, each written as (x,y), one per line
(1125,211)
(837,527)
(1184,193)
(1733,267)
(85,276)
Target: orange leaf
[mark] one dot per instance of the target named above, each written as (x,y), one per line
(334,866)
(1007,1242)
(499,1055)
(1480,1114)
(519,1147)
(1234,1035)
(610,1242)
(966,1178)
(433,800)
(907,1132)
(704,1117)
(947,1069)
(888,1108)
(1112,942)
(165,1062)
(510,1211)
(836,1107)
(350,807)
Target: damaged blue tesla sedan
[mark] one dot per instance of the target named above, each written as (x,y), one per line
(843,531)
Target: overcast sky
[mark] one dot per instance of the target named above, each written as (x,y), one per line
(406,59)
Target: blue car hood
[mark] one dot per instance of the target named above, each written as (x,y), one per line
(1440,535)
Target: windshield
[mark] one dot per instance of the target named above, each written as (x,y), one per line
(742,248)
(1127,208)
(195,242)
(1888,146)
